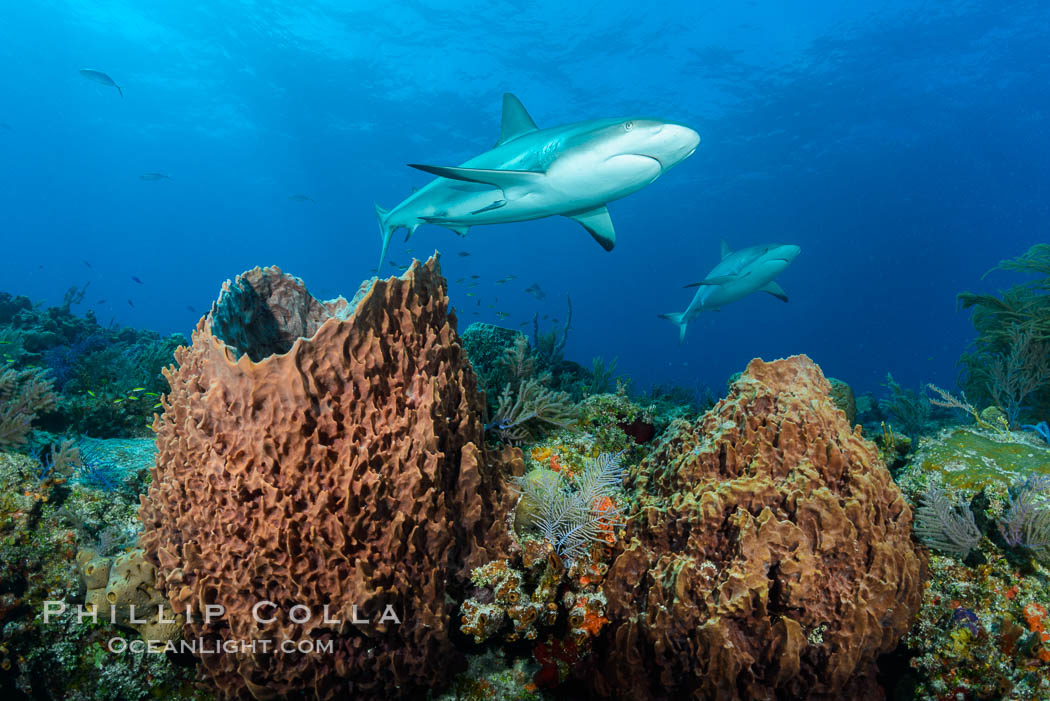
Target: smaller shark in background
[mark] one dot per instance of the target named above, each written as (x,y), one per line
(737,275)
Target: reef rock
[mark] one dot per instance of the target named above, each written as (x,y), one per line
(327,455)
(769,554)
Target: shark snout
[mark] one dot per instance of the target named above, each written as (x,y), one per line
(671,144)
(786,252)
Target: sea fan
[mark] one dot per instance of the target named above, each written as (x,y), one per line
(570,518)
(1027,522)
(944,526)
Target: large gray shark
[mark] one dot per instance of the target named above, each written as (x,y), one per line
(572,170)
(737,275)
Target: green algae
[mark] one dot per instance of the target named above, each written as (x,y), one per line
(969,459)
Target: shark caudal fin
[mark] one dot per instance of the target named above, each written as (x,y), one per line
(385,232)
(678,319)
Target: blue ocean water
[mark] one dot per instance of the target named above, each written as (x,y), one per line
(903,145)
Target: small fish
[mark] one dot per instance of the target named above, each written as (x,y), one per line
(463,254)
(535,291)
(5,125)
(152,394)
(474,277)
(101,301)
(301,198)
(117,401)
(131,396)
(131,304)
(546,316)
(85,262)
(502,315)
(101,78)
(91,393)
(502,281)
(190,309)
(523,323)
(555,320)
(373,270)
(473,284)
(136,279)
(5,343)
(154,177)
(137,389)
(460,280)
(470,294)
(407,251)
(158,405)
(475,313)
(394,265)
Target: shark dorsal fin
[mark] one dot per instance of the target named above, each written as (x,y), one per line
(516,121)
(725,249)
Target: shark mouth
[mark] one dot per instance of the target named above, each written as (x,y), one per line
(652,158)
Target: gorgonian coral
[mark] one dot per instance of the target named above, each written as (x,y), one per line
(23,394)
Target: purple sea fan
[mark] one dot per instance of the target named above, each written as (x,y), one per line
(1026,523)
(944,526)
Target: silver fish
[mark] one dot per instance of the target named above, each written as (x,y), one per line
(101,78)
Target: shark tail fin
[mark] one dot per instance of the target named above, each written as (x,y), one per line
(385,232)
(678,319)
(119,91)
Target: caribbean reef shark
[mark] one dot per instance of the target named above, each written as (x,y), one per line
(737,275)
(572,171)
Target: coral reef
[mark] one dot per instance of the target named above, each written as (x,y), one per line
(42,525)
(523,414)
(328,455)
(982,633)
(969,458)
(1009,363)
(486,345)
(108,378)
(768,554)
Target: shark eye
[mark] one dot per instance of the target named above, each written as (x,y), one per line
(627,126)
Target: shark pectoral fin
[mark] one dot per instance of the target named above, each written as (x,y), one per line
(503,179)
(713,281)
(516,121)
(495,205)
(598,224)
(460,229)
(725,249)
(776,290)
